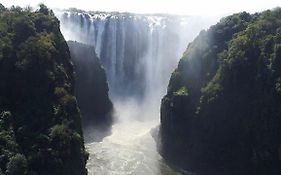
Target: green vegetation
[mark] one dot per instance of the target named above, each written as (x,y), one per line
(230,121)
(181,92)
(40,127)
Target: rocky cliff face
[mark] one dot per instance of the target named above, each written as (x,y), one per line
(222,111)
(40,125)
(91,88)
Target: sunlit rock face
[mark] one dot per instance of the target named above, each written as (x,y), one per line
(138,52)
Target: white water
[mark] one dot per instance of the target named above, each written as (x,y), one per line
(130,148)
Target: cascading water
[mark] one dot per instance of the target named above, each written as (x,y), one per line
(138,53)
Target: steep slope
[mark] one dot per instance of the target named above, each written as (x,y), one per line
(222,112)
(91,88)
(40,127)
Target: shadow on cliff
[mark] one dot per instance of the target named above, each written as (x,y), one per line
(96,131)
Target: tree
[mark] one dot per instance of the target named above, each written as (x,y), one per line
(17,165)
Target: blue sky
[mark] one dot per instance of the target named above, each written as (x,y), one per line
(186,7)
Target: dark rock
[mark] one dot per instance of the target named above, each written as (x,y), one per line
(91,88)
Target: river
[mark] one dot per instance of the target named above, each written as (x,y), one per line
(130,149)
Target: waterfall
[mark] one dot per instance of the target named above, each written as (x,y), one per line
(138,52)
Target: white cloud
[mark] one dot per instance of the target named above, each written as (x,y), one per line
(187,7)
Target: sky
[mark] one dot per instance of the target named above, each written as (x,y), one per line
(182,7)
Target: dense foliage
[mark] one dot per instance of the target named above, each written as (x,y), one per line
(91,88)
(222,112)
(40,127)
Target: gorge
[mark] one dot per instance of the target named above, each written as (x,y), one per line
(118,93)
(138,53)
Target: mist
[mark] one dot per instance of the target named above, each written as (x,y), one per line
(180,7)
(138,52)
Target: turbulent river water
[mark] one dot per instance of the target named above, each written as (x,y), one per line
(130,149)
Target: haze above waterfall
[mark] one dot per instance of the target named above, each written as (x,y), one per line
(183,7)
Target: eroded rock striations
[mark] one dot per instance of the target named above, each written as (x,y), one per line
(222,111)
